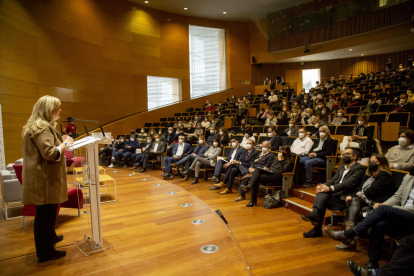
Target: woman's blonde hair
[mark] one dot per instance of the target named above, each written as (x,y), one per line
(41,117)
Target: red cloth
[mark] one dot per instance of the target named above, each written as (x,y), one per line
(210,108)
(70,129)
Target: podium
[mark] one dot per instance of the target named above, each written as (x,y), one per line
(94,243)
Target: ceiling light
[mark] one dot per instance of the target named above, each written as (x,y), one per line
(362,55)
(224,12)
(350,50)
(185,8)
(302,58)
(146,2)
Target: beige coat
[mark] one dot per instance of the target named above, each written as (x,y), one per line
(44,175)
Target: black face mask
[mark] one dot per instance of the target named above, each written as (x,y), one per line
(132,132)
(347,159)
(373,167)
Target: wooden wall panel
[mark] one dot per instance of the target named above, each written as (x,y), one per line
(96,56)
(330,67)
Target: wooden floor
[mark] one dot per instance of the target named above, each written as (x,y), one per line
(152,235)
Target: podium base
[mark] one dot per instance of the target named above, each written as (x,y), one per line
(88,246)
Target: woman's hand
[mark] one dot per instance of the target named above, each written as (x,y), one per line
(348,198)
(376,205)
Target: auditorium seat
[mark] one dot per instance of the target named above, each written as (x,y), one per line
(401,117)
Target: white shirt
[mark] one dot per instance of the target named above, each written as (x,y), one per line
(302,146)
(180,149)
(156,146)
(234,154)
(245,140)
(319,147)
(410,198)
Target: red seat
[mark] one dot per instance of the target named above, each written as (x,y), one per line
(70,159)
(75,198)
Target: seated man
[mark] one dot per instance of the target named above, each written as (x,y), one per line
(401,157)
(137,157)
(302,145)
(223,165)
(292,130)
(274,139)
(199,150)
(142,136)
(213,135)
(118,147)
(245,159)
(401,263)
(317,156)
(154,151)
(106,151)
(268,175)
(332,194)
(180,151)
(403,104)
(394,217)
(130,146)
(169,138)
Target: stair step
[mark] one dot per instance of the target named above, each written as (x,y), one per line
(302,207)
(307,194)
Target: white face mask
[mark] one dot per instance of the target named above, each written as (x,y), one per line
(160,133)
(212,131)
(248,146)
(301,135)
(339,114)
(357,97)
(246,135)
(402,141)
(360,122)
(157,140)
(234,144)
(291,125)
(148,141)
(284,109)
(221,133)
(142,130)
(264,149)
(308,114)
(331,100)
(317,126)
(122,140)
(402,101)
(131,139)
(180,141)
(270,134)
(323,112)
(215,144)
(200,142)
(294,114)
(322,135)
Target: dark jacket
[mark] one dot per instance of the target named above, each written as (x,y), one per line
(315,131)
(381,189)
(160,149)
(351,181)
(134,145)
(276,142)
(211,138)
(224,141)
(248,160)
(169,138)
(328,148)
(264,161)
(239,154)
(200,150)
(294,131)
(186,151)
(281,166)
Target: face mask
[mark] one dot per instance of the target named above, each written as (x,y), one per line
(248,146)
(319,106)
(157,140)
(243,123)
(148,141)
(331,100)
(212,131)
(339,114)
(356,97)
(322,135)
(344,87)
(402,141)
(170,131)
(246,135)
(353,92)
(142,131)
(295,104)
(301,135)
(215,144)
(291,125)
(113,140)
(270,134)
(221,133)
(323,112)
(373,167)
(284,103)
(308,114)
(131,139)
(284,109)
(180,140)
(261,112)
(294,114)
(177,132)
(303,93)
(305,101)
(360,122)
(200,142)
(402,101)
(264,149)
(347,160)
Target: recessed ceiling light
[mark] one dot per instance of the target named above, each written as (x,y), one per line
(350,50)
(185,8)
(362,55)
(302,58)
(146,2)
(224,12)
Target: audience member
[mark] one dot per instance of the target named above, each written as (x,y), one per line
(142,136)
(224,137)
(325,117)
(181,150)
(213,135)
(274,139)
(362,137)
(292,130)
(401,157)
(340,119)
(302,145)
(205,123)
(403,104)
(154,151)
(127,150)
(186,161)
(282,119)
(307,116)
(207,161)
(137,157)
(106,151)
(247,136)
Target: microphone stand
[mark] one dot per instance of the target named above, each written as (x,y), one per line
(90,121)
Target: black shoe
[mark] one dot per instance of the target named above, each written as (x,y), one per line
(116,166)
(195,181)
(314,233)
(252,203)
(310,218)
(338,236)
(372,265)
(53,256)
(246,188)
(143,170)
(164,174)
(358,270)
(186,172)
(58,239)
(307,185)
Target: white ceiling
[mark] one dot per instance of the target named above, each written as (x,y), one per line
(237,10)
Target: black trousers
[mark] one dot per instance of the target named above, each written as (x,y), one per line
(385,220)
(402,262)
(103,154)
(232,171)
(146,157)
(44,229)
(327,200)
(264,177)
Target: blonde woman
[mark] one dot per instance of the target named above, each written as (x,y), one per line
(308,115)
(44,175)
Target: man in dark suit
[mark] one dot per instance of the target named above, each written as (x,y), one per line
(199,150)
(317,155)
(235,154)
(265,159)
(155,151)
(292,130)
(181,150)
(274,139)
(332,194)
(245,159)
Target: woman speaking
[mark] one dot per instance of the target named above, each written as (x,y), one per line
(44,175)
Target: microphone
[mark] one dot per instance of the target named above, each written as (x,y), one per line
(71,119)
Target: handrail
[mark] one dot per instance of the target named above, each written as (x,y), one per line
(151,109)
